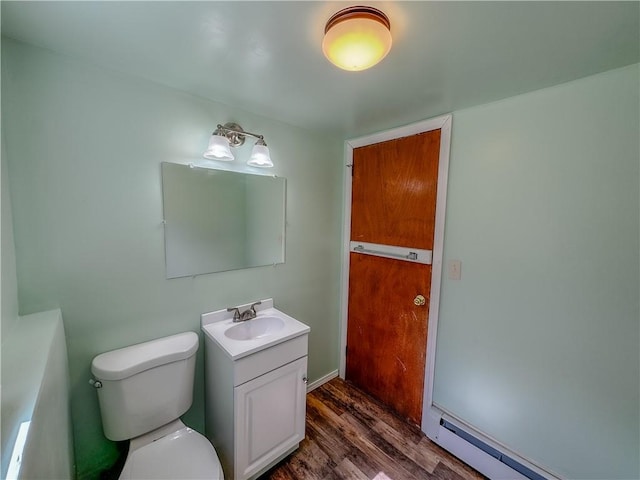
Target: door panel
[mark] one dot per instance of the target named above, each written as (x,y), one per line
(386,336)
(394,191)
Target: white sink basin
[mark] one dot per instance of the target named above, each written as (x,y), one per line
(258,327)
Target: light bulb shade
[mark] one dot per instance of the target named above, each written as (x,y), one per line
(260,156)
(357,38)
(218,148)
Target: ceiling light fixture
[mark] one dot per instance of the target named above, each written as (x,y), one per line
(356,38)
(232,135)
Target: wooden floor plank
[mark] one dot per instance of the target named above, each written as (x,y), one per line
(445,458)
(349,471)
(421,456)
(371,408)
(407,467)
(283,472)
(443,472)
(351,436)
(328,441)
(332,475)
(315,464)
(332,440)
(392,461)
(348,430)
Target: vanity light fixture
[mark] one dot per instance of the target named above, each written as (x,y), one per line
(356,38)
(232,135)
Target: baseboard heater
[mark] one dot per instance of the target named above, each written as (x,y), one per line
(479,454)
(510,462)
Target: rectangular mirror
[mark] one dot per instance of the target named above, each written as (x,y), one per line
(218,220)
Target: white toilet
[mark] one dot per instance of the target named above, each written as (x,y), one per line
(143,389)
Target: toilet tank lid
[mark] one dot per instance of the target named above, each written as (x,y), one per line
(128,361)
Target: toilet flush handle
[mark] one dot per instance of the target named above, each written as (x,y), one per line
(96,383)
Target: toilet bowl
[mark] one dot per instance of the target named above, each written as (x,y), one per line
(182,453)
(143,390)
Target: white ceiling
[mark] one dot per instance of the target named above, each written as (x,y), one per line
(265,57)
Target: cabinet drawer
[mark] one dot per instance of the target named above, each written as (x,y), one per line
(259,363)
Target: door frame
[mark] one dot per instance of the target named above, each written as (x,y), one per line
(444,124)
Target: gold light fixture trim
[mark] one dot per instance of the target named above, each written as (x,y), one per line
(357,38)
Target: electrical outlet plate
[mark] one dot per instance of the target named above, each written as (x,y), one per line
(455,269)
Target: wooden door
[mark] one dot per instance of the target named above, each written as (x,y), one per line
(394,190)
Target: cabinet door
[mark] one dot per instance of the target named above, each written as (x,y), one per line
(269,417)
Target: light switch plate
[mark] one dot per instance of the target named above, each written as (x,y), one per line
(455,269)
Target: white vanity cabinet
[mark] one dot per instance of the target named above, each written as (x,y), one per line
(255,397)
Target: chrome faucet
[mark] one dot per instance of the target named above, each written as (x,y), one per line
(248,314)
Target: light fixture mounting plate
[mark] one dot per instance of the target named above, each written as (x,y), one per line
(234,133)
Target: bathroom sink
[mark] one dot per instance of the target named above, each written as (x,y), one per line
(237,340)
(258,327)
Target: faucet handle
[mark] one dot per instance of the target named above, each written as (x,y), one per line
(253,307)
(236,314)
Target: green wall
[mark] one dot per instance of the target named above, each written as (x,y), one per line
(8,322)
(538,343)
(85,147)
(9,280)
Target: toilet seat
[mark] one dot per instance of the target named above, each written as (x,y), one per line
(183,454)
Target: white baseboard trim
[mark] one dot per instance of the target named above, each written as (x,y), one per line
(322,380)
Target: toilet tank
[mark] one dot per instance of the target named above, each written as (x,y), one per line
(145,386)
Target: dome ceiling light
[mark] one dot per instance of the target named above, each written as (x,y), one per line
(356,38)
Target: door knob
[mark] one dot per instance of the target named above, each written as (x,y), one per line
(419,300)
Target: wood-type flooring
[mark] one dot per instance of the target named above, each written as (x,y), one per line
(349,435)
